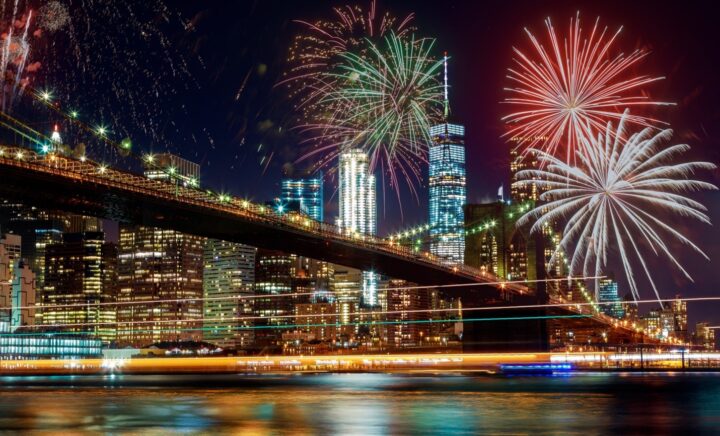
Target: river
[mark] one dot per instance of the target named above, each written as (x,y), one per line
(363,404)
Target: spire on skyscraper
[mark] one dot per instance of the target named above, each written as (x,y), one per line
(445,88)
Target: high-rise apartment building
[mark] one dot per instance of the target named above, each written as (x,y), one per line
(228,281)
(80,285)
(358,209)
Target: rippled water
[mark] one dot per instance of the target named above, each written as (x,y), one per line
(363,404)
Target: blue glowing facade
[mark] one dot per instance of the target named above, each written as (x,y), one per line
(608,293)
(304,195)
(447,192)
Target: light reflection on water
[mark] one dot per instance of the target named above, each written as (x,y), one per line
(362,404)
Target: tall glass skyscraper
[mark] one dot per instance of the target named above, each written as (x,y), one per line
(304,195)
(447,189)
(358,210)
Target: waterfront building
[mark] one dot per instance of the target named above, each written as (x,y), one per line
(348,290)
(304,195)
(407,309)
(32,345)
(274,272)
(9,255)
(23,296)
(447,188)
(608,295)
(318,320)
(678,307)
(160,275)
(80,285)
(228,282)
(358,209)
(160,271)
(705,335)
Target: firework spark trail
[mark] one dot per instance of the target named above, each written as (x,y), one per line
(15,52)
(17,88)
(575,83)
(612,198)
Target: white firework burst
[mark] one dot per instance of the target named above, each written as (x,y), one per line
(614,197)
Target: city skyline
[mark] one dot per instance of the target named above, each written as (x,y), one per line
(359,217)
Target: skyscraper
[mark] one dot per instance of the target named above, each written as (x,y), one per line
(608,294)
(358,210)
(228,275)
(304,195)
(356,193)
(162,270)
(447,188)
(274,271)
(80,285)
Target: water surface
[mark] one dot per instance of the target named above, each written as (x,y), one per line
(363,404)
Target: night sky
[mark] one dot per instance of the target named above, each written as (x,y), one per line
(228,114)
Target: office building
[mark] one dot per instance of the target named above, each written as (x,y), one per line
(29,345)
(228,281)
(9,255)
(317,320)
(607,295)
(160,275)
(705,335)
(23,296)
(304,195)
(273,303)
(447,188)
(407,309)
(358,209)
(80,285)
(166,167)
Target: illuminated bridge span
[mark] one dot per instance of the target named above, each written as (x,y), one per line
(87,187)
(90,188)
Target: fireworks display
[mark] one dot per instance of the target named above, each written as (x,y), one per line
(383,102)
(112,62)
(53,16)
(579,81)
(14,52)
(614,199)
(316,52)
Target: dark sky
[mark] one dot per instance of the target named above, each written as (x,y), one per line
(235,53)
(247,42)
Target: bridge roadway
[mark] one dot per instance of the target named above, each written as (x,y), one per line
(87,187)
